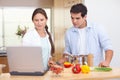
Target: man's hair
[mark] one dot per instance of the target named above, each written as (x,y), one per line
(79,8)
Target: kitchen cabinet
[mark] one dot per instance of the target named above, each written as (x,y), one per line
(3,60)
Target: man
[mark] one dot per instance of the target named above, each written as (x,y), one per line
(85,37)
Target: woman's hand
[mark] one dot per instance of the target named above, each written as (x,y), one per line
(51,63)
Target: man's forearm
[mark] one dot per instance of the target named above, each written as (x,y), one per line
(108,56)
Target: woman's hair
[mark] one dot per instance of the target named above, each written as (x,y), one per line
(51,41)
(79,8)
(42,11)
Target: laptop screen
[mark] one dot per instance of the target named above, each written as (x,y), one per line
(24,59)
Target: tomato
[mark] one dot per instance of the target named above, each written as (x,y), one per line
(56,70)
(76,69)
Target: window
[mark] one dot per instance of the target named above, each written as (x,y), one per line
(11,18)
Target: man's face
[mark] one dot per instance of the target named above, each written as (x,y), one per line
(77,20)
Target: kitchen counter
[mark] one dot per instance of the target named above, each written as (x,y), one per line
(68,75)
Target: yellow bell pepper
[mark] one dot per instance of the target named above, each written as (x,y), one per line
(85,69)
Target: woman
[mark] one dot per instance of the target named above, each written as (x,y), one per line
(39,36)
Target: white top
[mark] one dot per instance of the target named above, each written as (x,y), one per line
(82,41)
(32,38)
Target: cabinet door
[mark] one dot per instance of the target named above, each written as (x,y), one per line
(3,60)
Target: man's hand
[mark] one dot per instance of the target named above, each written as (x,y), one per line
(108,58)
(104,64)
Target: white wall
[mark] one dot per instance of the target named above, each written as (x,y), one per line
(107,13)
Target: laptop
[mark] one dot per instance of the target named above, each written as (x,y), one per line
(24,60)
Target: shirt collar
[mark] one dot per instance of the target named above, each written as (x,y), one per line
(89,26)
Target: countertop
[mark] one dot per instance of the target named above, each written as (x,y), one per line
(68,75)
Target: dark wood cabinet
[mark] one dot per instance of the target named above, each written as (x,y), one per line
(3,60)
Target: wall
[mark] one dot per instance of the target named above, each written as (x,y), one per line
(107,13)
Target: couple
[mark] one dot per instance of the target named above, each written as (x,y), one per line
(83,37)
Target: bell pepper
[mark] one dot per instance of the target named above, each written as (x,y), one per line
(85,69)
(67,64)
(76,69)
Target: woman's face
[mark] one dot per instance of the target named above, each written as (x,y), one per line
(39,21)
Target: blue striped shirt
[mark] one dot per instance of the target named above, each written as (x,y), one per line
(97,41)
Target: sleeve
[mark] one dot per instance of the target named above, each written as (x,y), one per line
(26,40)
(104,38)
(67,43)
